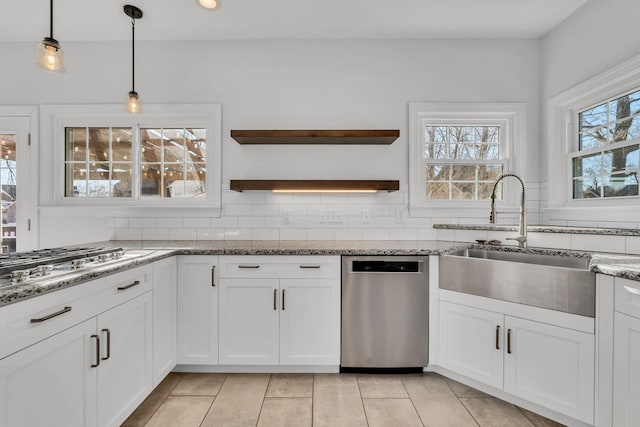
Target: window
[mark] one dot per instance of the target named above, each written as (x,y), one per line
(608,142)
(170,155)
(457,151)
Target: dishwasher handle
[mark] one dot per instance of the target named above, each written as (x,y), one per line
(386,266)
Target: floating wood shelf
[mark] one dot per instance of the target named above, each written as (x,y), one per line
(317,186)
(311,137)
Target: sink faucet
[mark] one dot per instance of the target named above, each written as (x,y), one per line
(522,228)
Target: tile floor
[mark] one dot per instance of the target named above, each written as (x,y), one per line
(197,399)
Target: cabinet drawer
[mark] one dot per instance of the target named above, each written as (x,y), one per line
(627,295)
(280,266)
(27,322)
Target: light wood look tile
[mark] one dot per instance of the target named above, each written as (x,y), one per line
(181,411)
(199,384)
(286,412)
(290,385)
(391,412)
(239,401)
(145,411)
(167,385)
(492,412)
(337,401)
(463,390)
(436,403)
(539,420)
(381,386)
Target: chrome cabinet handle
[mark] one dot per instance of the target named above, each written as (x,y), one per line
(95,365)
(124,288)
(51,316)
(213,275)
(509,341)
(283,300)
(108,344)
(248,266)
(498,337)
(275,298)
(309,266)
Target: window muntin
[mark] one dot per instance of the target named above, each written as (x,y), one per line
(98,162)
(173,162)
(606,163)
(462,161)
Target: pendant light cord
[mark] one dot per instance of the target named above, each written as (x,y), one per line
(133,54)
(51,19)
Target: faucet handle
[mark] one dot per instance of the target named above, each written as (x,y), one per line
(522,240)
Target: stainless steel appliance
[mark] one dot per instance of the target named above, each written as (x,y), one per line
(385,313)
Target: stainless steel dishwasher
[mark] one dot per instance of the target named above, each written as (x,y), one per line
(385,313)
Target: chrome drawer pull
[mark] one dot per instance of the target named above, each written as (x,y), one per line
(309,266)
(51,316)
(124,288)
(632,290)
(248,266)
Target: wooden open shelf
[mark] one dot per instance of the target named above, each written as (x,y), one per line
(319,185)
(311,137)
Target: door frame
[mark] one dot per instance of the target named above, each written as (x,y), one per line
(28,210)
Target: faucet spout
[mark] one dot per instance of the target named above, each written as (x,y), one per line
(522,228)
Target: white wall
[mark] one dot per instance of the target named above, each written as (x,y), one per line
(289,85)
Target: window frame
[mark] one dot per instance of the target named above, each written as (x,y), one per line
(563,142)
(208,116)
(512,120)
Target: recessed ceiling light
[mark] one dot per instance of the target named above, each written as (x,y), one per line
(208,4)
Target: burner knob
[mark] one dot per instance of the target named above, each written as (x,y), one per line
(77,263)
(18,276)
(104,257)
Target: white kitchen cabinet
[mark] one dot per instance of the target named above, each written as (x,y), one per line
(197,310)
(626,354)
(280,310)
(165,317)
(51,383)
(548,365)
(470,342)
(124,373)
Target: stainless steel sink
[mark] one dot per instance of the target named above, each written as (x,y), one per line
(557,282)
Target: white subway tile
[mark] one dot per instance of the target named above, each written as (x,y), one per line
(128,234)
(278,198)
(293,234)
(162,222)
(296,210)
(549,240)
(265,210)
(334,199)
(447,235)
(533,193)
(359,221)
(121,223)
(155,234)
(229,196)
(375,234)
(632,244)
(307,222)
(396,197)
(427,234)
(321,234)
(182,234)
(616,224)
(265,234)
(236,210)
(589,224)
(237,234)
(251,222)
(403,234)
(225,222)
(210,234)
(469,235)
(363,199)
(197,222)
(142,222)
(590,242)
(349,234)
(418,222)
(251,198)
(306,199)
(388,222)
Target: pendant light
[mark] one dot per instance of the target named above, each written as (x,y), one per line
(49,55)
(133,104)
(208,4)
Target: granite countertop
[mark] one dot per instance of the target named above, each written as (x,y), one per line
(543,229)
(144,252)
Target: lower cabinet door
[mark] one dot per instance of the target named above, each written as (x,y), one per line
(471,342)
(249,317)
(626,371)
(124,374)
(551,366)
(165,318)
(52,382)
(310,322)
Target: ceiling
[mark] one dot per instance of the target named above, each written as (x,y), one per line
(103,20)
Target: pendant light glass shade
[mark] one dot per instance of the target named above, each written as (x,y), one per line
(134,106)
(208,4)
(49,55)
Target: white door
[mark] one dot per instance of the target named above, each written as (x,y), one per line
(626,371)
(52,382)
(551,366)
(197,310)
(471,342)
(310,322)
(16,196)
(124,374)
(249,317)
(165,317)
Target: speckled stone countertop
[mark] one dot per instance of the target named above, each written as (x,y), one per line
(144,252)
(543,229)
